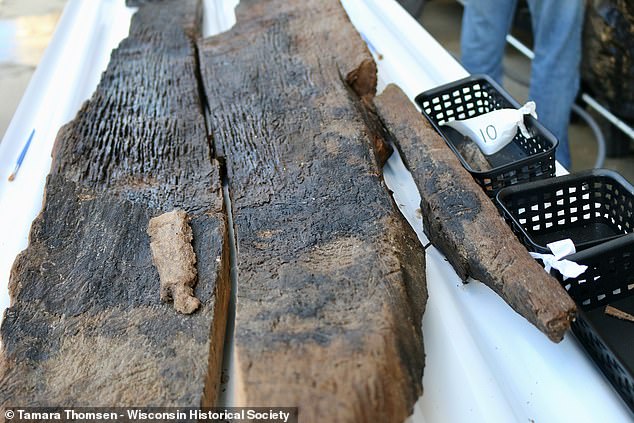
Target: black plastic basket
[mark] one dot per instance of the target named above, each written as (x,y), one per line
(609,280)
(589,207)
(520,161)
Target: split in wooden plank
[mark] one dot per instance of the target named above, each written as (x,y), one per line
(86,326)
(331,280)
(465,225)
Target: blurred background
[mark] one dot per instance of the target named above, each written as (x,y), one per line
(26,28)
(607,70)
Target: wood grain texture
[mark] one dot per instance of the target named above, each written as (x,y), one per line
(464,224)
(143,131)
(86,326)
(331,280)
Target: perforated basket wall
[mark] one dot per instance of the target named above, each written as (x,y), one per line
(596,210)
(589,207)
(523,160)
(610,365)
(609,278)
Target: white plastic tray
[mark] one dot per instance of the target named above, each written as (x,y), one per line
(484,362)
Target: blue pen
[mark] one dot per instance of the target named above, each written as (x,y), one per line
(371,47)
(22,154)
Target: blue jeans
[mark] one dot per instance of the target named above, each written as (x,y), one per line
(554,80)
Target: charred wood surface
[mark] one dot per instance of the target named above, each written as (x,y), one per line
(86,326)
(331,280)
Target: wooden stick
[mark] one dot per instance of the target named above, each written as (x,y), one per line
(619,314)
(464,224)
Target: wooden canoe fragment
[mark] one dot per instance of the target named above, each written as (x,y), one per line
(464,224)
(331,280)
(86,326)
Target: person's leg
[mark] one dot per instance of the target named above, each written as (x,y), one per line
(554,84)
(485,24)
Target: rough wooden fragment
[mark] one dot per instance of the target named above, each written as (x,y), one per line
(472,154)
(86,326)
(619,314)
(465,225)
(163,21)
(331,280)
(143,134)
(174,258)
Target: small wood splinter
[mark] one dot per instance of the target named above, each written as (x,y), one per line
(615,312)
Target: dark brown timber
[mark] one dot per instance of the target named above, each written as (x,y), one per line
(465,225)
(86,326)
(331,280)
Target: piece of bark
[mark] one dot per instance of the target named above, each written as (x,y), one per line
(174,258)
(465,225)
(331,280)
(86,326)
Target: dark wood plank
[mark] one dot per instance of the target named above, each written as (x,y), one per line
(86,326)
(143,132)
(331,280)
(465,225)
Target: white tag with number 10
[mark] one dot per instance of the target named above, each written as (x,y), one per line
(494,130)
